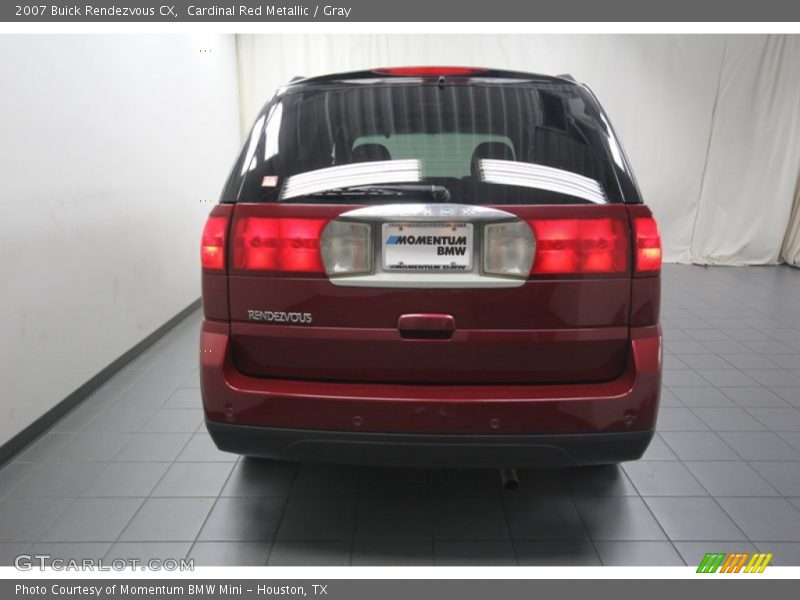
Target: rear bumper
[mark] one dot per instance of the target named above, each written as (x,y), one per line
(430,450)
(580,423)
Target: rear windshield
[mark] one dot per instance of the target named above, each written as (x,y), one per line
(486,143)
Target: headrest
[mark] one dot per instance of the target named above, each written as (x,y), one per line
(497,150)
(371,152)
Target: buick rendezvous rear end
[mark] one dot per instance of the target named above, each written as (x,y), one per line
(432,266)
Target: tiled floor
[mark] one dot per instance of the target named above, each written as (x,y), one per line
(132,473)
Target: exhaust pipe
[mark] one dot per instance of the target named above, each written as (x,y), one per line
(508,477)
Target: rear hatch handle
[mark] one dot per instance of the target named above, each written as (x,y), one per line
(426,326)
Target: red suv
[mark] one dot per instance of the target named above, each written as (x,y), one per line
(432,266)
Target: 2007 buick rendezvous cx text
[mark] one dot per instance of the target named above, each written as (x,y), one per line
(475,277)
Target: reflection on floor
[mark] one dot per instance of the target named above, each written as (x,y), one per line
(132,473)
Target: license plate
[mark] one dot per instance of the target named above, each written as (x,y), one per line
(436,247)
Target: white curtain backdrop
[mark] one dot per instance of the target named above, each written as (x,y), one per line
(790,252)
(710,122)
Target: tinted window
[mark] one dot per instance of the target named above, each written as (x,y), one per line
(487,143)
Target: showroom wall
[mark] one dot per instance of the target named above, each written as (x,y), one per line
(710,121)
(113,149)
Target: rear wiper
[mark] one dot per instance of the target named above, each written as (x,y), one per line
(438,192)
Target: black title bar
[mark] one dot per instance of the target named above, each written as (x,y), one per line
(143,11)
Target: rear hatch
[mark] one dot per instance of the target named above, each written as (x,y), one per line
(430,230)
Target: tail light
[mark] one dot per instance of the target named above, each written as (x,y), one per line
(508,249)
(212,246)
(648,245)
(566,246)
(277,244)
(346,248)
(429,71)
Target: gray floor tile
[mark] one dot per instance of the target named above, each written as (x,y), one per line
(663,479)
(760,446)
(694,552)
(311,518)
(184,398)
(774,378)
(679,419)
(784,476)
(144,552)
(68,551)
(464,482)
(324,480)
(260,477)
(475,518)
(168,519)
(576,553)
(143,397)
(535,482)
(97,447)
(320,554)
(400,518)
(790,395)
(698,445)
(126,480)
(606,480)
(750,361)
(668,398)
(243,520)
(104,396)
(44,447)
(658,450)
(680,379)
(755,397)
(125,377)
(727,378)
(618,518)
(681,347)
(202,449)
(728,419)
(76,419)
(778,419)
(702,397)
(92,520)
(153,447)
(393,482)
(694,518)
(793,439)
(785,361)
(119,420)
(57,480)
(193,479)
(164,377)
(638,554)
(14,473)
(731,478)
(785,554)
(764,519)
(372,553)
(728,347)
(465,553)
(9,551)
(706,361)
(769,347)
(174,420)
(543,518)
(230,554)
(25,519)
